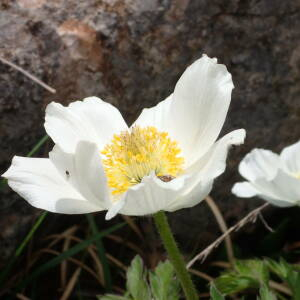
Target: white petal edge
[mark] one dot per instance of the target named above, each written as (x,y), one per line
(40,184)
(282,187)
(84,171)
(213,163)
(90,120)
(156,116)
(199,107)
(153,195)
(290,157)
(244,190)
(259,163)
(150,196)
(200,176)
(247,190)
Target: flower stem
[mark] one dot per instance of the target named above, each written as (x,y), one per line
(175,256)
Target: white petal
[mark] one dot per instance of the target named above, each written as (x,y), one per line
(248,190)
(150,196)
(244,190)
(199,180)
(187,190)
(199,106)
(282,187)
(259,163)
(156,116)
(213,163)
(291,158)
(89,120)
(114,209)
(84,171)
(194,192)
(153,195)
(40,184)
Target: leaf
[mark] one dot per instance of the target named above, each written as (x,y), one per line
(164,285)
(111,297)
(215,294)
(248,274)
(253,268)
(287,273)
(281,268)
(266,294)
(231,283)
(136,280)
(293,280)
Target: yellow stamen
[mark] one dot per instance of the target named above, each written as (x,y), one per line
(136,153)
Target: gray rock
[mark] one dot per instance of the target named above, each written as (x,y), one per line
(131,53)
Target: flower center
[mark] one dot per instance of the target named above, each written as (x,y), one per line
(134,154)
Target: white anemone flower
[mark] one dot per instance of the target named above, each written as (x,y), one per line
(167,160)
(272,177)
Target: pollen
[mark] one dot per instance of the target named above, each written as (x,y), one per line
(137,153)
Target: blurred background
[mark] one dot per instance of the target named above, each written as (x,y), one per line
(131,53)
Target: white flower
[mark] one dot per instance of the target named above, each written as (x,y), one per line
(166,160)
(272,177)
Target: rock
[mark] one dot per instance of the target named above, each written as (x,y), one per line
(131,53)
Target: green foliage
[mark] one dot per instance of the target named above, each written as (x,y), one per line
(215,294)
(137,285)
(288,273)
(255,274)
(247,274)
(253,268)
(163,284)
(233,283)
(160,284)
(266,294)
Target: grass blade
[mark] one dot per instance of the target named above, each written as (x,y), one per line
(72,251)
(101,253)
(20,249)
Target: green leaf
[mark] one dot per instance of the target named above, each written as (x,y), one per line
(164,285)
(280,268)
(248,274)
(266,294)
(231,283)
(287,273)
(253,268)
(112,297)
(215,294)
(136,280)
(293,280)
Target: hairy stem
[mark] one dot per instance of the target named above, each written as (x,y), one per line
(175,256)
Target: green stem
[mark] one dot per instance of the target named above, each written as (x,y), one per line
(175,256)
